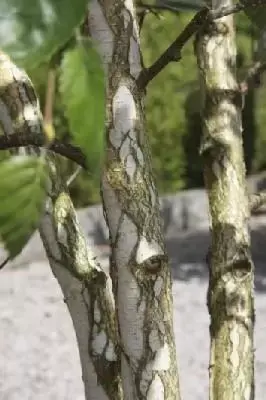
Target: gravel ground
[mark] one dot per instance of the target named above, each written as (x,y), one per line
(38,354)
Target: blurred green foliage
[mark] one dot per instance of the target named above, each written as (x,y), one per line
(172,111)
(85,188)
(173,105)
(165,99)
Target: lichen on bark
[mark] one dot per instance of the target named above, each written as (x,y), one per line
(230,294)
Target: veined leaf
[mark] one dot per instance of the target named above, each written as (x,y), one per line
(83,94)
(23,187)
(31,31)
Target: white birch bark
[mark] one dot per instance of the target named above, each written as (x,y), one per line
(139,263)
(85,286)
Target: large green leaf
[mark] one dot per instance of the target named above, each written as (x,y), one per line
(31,31)
(23,187)
(83,94)
(256,12)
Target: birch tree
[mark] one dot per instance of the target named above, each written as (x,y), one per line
(124,320)
(230,295)
(139,267)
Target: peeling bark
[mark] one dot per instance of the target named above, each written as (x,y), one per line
(85,286)
(230,295)
(139,264)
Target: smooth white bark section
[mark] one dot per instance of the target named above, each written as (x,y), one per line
(130,316)
(234,337)
(131,166)
(124,113)
(127,242)
(101,33)
(115,215)
(156,389)
(99,342)
(134,58)
(162,359)
(147,249)
(15,72)
(29,114)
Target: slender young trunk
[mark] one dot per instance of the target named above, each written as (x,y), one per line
(85,286)
(139,264)
(87,293)
(230,295)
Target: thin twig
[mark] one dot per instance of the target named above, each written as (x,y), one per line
(253,73)
(49,99)
(67,150)
(3,264)
(73,176)
(145,10)
(157,7)
(173,52)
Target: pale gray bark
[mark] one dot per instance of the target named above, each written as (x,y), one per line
(230,297)
(139,264)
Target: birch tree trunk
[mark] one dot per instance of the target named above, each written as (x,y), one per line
(85,286)
(87,293)
(230,296)
(139,263)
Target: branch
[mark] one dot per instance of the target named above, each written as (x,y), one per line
(146,9)
(3,264)
(157,7)
(257,200)
(253,74)
(173,52)
(67,150)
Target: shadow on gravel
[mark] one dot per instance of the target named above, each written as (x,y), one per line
(188,255)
